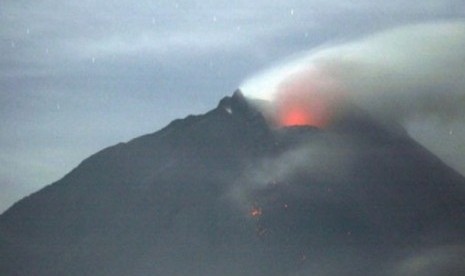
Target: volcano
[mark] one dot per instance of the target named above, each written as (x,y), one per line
(225,193)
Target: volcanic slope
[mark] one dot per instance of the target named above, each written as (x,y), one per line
(226,194)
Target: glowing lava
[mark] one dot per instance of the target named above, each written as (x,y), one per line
(295,110)
(305,98)
(256,212)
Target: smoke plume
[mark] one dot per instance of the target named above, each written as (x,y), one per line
(413,75)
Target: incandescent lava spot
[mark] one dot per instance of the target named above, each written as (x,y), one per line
(305,98)
(295,109)
(256,212)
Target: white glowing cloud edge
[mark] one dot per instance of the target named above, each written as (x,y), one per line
(399,65)
(413,74)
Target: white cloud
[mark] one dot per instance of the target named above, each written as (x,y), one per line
(412,72)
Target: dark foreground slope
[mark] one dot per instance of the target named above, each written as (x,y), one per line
(224,194)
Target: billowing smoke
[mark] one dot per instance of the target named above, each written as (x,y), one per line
(413,75)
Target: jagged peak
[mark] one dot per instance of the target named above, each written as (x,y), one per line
(236,106)
(236,101)
(239,104)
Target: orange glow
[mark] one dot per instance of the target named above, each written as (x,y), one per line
(296,114)
(256,212)
(305,98)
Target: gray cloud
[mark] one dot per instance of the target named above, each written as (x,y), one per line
(412,75)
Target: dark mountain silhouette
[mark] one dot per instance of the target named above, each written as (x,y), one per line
(226,194)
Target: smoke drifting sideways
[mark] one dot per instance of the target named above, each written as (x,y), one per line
(413,75)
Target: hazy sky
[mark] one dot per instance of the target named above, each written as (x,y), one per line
(79,76)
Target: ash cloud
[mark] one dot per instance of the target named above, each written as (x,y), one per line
(413,75)
(332,210)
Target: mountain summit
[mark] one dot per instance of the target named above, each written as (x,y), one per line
(225,193)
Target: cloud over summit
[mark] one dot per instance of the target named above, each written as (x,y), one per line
(410,72)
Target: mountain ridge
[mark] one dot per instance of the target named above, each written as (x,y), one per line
(225,193)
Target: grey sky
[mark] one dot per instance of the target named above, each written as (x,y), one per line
(78,76)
